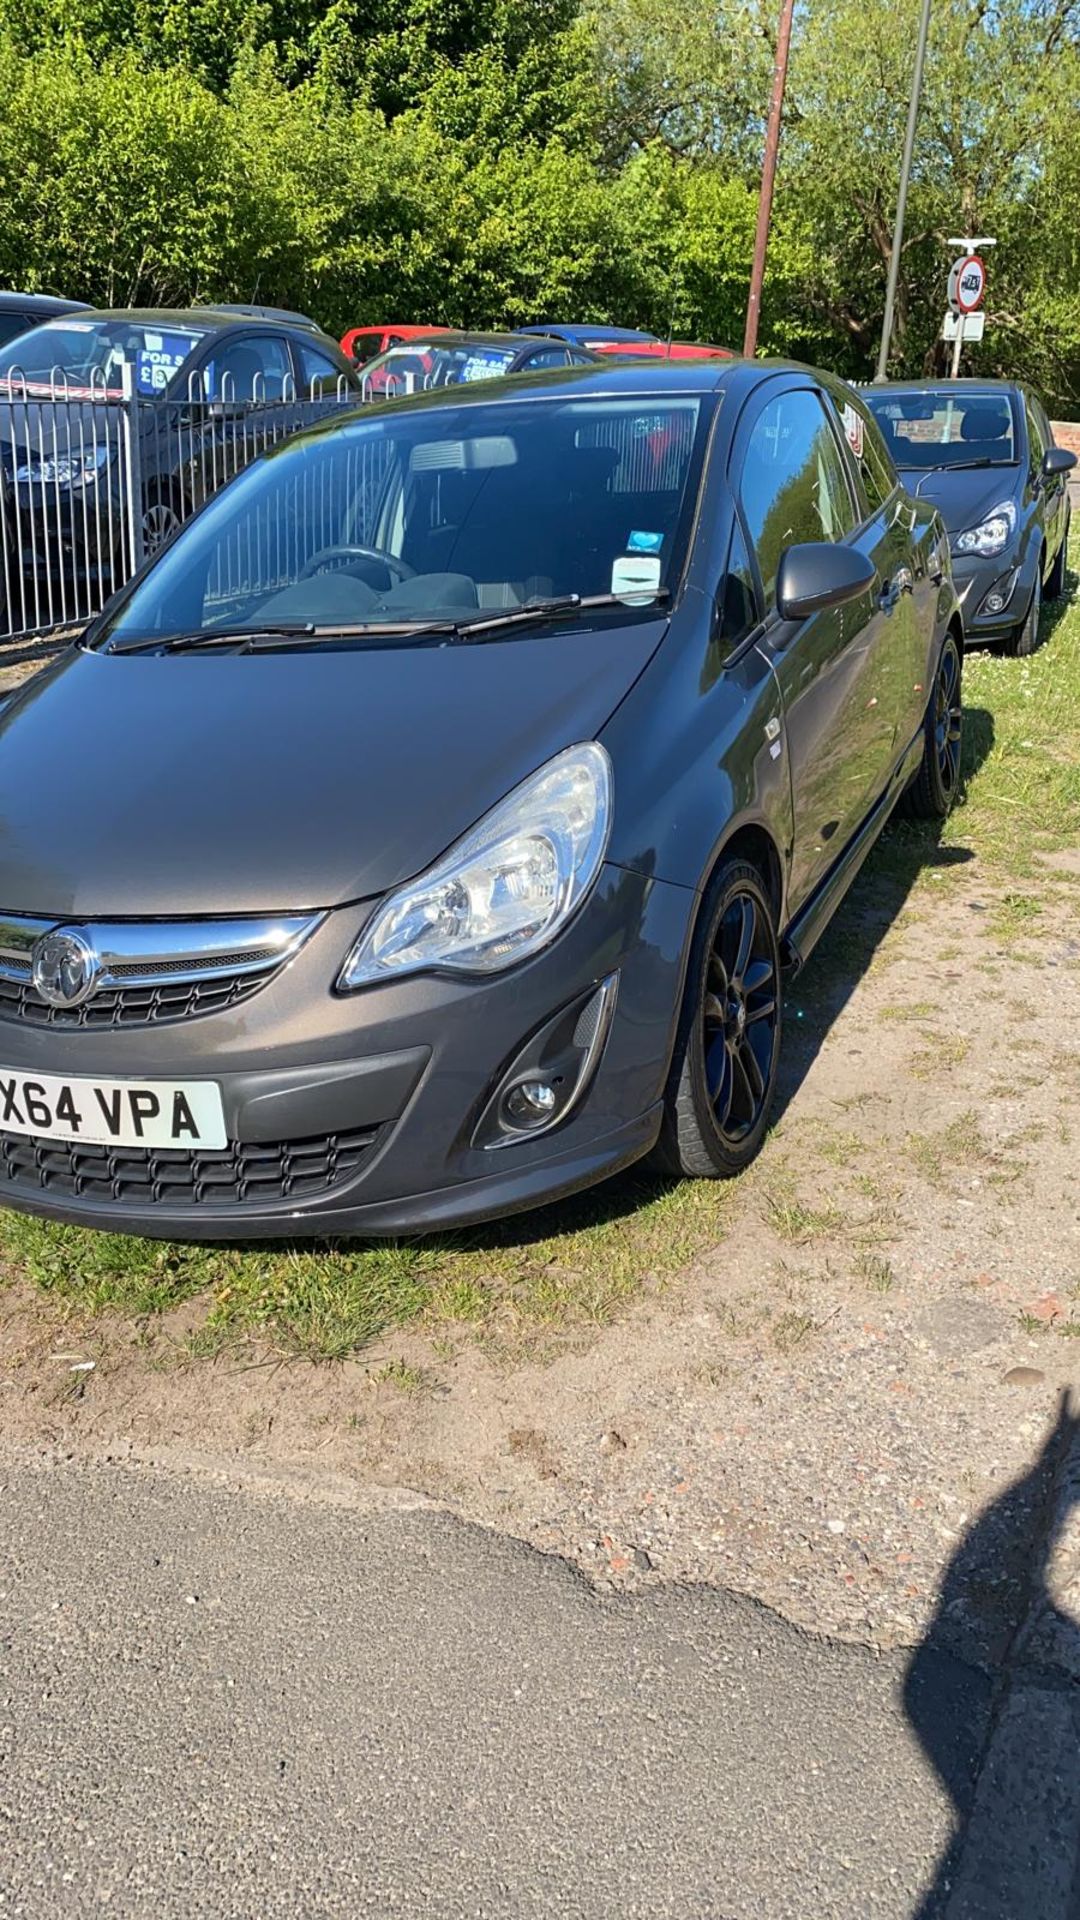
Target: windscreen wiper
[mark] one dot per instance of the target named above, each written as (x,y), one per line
(960,466)
(556,606)
(279,636)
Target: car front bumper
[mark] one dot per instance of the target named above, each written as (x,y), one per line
(355,1114)
(976,579)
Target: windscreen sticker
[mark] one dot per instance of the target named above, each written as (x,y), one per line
(640,542)
(480,366)
(159,359)
(633,574)
(853,427)
(70,326)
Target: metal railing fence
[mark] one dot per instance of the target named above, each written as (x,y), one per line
(94,477)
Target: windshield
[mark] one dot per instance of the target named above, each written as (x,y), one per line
(946,427)
(87,355)
(436,512)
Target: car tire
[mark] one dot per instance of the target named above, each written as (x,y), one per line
(1055,579)
(723,1073)
(1025,638)
(930,795)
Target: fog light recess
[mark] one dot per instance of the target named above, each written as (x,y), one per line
(551,1074)
(998,597)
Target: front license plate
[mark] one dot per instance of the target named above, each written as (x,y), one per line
(113,1113)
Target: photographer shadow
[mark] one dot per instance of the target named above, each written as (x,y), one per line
(996,1624)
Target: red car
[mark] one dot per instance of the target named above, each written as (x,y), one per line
(362,344)
(663,350)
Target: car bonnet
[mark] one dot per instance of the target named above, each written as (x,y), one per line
(222,784)
(963,496)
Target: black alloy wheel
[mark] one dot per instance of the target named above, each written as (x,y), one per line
(934,787)
(739,1016)
(723,1074)
(948,722)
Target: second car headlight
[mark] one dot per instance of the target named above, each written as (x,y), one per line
(506,889)
(992,534)
(75,468)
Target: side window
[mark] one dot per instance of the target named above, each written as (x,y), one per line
(547,357)
(736,609)
(872,457)
(255,367)
(317,370)
(12,324)
(737,599)
(792,485)
(1036,437)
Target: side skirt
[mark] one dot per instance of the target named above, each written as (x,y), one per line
(805,930)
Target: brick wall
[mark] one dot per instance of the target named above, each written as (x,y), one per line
(1067,434)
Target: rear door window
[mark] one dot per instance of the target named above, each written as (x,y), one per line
(12,324)
(547,357)
(1037,440)
(318,373)
(249,367)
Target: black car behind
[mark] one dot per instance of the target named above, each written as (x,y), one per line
(983,452)
(19,312)
(207,388)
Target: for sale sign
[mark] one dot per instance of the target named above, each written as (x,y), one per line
(967,283)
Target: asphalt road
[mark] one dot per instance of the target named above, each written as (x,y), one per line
(218,1703)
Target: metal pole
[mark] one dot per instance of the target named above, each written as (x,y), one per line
(132,463)
(901,198)
(768,177)
(958,347)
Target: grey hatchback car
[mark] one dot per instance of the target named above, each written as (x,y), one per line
(983,451)
(422,835)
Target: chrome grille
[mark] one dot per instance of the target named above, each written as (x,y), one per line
(152,971)
(242,1174)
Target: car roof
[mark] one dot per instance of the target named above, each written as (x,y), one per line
(972,384)
(204,318)
(609,379)
(265,313)
(40,303)
(580,336)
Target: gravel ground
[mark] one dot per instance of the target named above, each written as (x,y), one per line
(816,1412)
(21,659)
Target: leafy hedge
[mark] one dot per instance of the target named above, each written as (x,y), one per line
(512,160)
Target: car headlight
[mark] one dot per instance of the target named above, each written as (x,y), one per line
(992,534)
(503,891)
(72,469)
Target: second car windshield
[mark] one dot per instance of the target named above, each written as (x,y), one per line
(88,355)
(406,369)
(433,512)
(945,427)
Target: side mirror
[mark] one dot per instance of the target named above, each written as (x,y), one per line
(1057,460)
(818,575)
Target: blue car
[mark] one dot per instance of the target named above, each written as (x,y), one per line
(590,336)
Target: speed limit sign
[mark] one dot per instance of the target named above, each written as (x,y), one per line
(967,283)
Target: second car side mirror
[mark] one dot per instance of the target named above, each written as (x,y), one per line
(1057,460)
(817,575)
